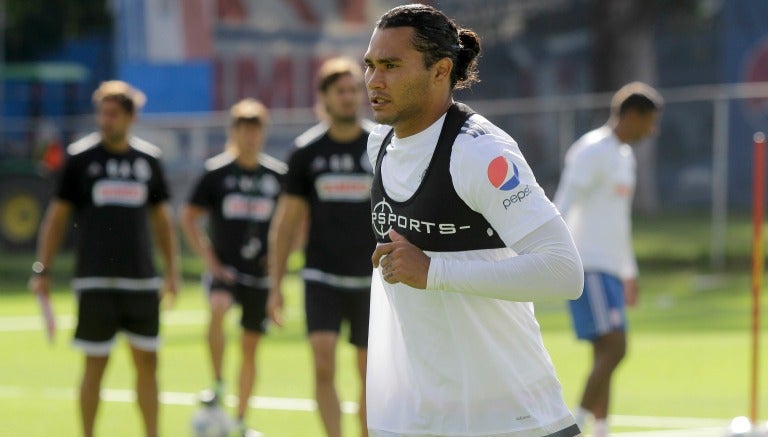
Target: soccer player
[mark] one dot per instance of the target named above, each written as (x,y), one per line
(328,184)
(595,197)
(114,186)
(237,193)
(466,241)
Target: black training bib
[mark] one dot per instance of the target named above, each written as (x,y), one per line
(434,218)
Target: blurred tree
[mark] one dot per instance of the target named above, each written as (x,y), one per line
(623,50)
(35,27)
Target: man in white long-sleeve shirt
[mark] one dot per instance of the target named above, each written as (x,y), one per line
(595,197)
(466,241)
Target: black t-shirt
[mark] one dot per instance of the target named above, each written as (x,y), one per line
(241,203)
(335,179)
(111,194)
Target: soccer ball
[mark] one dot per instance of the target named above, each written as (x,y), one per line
(211,422)
(742,427)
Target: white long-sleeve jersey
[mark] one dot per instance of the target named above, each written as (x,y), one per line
(595,197)
(465,357)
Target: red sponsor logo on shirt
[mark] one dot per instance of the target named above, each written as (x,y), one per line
(337,187)
(238,206)
(623,190)
(503,174)
(119,193)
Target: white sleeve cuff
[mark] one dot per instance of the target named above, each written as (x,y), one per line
(435,273)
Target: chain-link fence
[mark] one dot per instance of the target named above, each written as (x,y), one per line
(699,161)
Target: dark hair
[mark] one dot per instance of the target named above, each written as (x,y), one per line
(437,37)
(249,121)
(122,100)
(335,68)
(636,96)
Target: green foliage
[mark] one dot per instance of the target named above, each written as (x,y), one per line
(34,27)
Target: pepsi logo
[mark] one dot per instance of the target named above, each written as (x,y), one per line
(502,174)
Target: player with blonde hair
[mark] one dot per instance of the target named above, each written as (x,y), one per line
(237,194)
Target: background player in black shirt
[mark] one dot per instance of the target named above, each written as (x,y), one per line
(328,183)
(237,193)
(114,186)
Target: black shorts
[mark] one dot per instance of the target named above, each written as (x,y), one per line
(102,313)
(252,301)
(327,306)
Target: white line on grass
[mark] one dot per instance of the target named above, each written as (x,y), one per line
(683,426)
(693,432)
(67,321)
(664,422)
(174,398)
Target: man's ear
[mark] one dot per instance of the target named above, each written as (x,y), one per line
(442,70)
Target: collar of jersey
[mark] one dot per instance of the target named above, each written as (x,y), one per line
(417,144)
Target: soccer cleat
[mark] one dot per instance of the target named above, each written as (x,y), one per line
(212,397)
(209,398)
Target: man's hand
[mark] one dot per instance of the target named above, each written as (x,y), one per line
(275,306)
(225,274)
(402,262)
(170,289)
(630,291)
(40,284)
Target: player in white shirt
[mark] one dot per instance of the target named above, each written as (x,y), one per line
(466,241)
(595,197)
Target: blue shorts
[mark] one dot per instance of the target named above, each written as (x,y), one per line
(600,309)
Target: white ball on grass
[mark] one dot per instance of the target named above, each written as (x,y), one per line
(211,422)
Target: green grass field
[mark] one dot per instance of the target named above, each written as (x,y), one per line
(687,368)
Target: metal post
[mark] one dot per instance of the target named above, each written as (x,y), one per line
(758,264)
(719,182)
(566,134)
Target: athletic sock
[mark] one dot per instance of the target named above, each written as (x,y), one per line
(600,428)
(218,388)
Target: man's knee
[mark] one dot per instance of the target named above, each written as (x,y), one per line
(145,361)
(324,349)
(219,302)
(324,369)
(249,344)
(611,349)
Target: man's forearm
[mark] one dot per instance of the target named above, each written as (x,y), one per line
(52,232)
(290,214)
(197,240)
(280,243)
(165,237)
(547,267)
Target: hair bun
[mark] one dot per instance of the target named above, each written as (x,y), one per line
(469,42)
(469,49)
